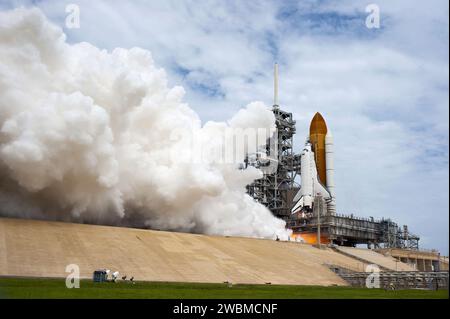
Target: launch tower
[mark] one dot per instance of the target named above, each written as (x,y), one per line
(276,190)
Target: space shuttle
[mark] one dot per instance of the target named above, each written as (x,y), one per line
(317,169)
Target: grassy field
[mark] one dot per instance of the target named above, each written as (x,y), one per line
(55,288)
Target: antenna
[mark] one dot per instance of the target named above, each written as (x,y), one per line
(275,86)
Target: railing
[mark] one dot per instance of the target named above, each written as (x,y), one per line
(400,280)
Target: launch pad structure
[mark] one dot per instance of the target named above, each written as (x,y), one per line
(349,230)
(276,190)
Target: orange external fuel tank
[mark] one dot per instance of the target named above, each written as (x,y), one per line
(317,132)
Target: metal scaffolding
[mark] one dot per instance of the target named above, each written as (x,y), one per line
(395,237)
(276,190)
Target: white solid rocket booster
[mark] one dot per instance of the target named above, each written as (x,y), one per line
(329,159)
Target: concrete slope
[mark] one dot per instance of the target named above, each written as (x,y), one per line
(43,249)
(373,257)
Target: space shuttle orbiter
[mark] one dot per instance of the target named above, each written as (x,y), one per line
(317,168)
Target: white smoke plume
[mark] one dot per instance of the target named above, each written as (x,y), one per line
(86,135)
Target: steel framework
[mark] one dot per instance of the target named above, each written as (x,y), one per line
(273,190)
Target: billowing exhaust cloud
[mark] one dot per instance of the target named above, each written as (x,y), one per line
(92,136)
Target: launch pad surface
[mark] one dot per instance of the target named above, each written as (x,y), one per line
(31,248)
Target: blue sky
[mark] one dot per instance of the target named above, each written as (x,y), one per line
(384,92)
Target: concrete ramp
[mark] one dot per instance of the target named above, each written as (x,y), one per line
(373,257)
(43,249)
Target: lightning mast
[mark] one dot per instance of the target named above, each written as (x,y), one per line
(275,86)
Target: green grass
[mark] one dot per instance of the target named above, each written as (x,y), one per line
(55,288)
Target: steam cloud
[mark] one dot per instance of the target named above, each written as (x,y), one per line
(87,136)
